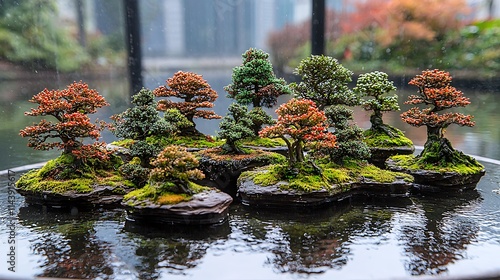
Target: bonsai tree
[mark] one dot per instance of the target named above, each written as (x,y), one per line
(300,122)
(349,137)
(173,169)
(376,85)
(254,83)
(435,91)
(140,122)
(324,81)
(237,125)
(194,92)
(69,108)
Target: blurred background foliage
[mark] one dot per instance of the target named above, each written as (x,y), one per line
(32,34)
(398,36)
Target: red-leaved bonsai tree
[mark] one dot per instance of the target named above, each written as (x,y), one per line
(195,93)
(300,122)
(70,108)
(435,91)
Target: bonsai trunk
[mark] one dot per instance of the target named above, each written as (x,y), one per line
(437,148)
(378,123)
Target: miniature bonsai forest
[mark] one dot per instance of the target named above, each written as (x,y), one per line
(439,164)
(84,174)
(334,166)
(163,169)
(384,140)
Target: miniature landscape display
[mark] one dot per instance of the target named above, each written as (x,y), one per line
(163,170)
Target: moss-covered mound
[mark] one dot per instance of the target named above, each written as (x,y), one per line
(432,174)
(197,141)
(161,195)
(307,184)
(164,205)
(62,182)
(381,138)
(61,175)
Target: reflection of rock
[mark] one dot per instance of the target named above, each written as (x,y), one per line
(276,195)
(208,207)
(68,244)
(223,172)
(100,196)
(433,181)
(380,154)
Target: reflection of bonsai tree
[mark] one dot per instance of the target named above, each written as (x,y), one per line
(299,122)
(254,83)
(69,107)
(350,142)
(441,237)
(434,89)
(376,85)
(174,165)
(237,125)
(195,92)
(324,81)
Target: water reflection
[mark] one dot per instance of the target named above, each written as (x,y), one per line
(172,250)
(436,236)
(68,244)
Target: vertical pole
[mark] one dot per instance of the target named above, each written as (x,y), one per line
(82,36)
(133,42)
(318,27)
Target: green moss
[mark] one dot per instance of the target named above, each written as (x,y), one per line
(62,175)
(185,141)
(264,142)
(379,138)
(32,181)
(411,162)
(162,194)
(125,143)
(305,178)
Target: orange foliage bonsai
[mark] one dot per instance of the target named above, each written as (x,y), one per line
(195,92)
(70,108)
(435,91)
(300,122)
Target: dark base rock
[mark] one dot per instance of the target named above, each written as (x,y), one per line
(209,207)
(100,196)
(433,181)
(223,174)
(380,154)
(252,194)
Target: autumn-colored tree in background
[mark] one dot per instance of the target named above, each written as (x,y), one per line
(300,122)
(435,91)
(174,168)
(324,81)
(195,92)
(254,83)
(237,125)
(70,108)
(376,85)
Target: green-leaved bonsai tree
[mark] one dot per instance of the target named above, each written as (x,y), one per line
(375,86)
(254,83)
(143,124)
(325,81)
(234,127)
